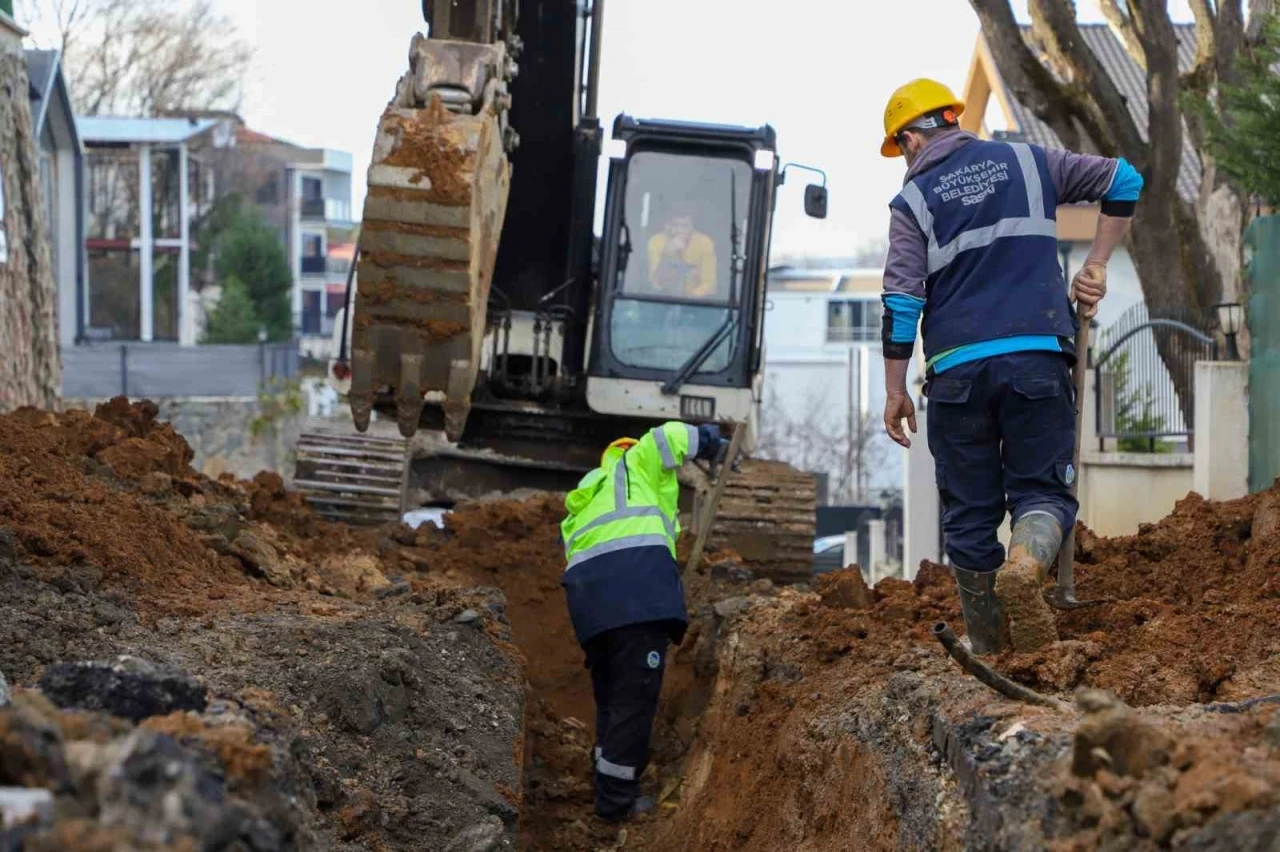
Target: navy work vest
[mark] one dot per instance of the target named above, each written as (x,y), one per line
(988,213)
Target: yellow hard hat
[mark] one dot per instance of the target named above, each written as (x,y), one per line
(909,102)
(623,444)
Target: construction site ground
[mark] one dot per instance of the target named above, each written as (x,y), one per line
(202,664)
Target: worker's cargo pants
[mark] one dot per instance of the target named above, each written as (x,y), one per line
(626,676)
(1002,434)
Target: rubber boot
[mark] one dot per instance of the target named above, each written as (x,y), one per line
(981,609)
(1033,546)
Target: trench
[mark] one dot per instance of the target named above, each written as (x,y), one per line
(743,754)
(834,721)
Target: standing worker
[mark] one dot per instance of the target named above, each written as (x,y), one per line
(624,592)
(973,246)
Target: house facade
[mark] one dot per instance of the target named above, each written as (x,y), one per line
(140,282)
(145,191)
(823,395)
(305,195)
(61,186)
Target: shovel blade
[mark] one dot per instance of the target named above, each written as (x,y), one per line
(1060,599)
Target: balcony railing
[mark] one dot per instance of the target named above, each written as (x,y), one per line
(337,265)
(853,334)
(313,265)
(313,208)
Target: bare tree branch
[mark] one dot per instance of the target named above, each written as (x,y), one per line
(1030,82)
(1164,118)
(1096,98)
(144,57)
(1120,22)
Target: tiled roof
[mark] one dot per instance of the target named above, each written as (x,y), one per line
(1131,80)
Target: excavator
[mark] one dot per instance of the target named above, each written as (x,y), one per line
(507,342)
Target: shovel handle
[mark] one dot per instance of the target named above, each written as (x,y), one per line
(713,505)
(1066,555)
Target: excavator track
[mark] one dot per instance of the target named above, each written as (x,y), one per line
(353,478)
(767,515)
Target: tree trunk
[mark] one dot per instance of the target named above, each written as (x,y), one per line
(31,369)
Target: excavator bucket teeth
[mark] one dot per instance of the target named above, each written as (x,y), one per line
(437,194)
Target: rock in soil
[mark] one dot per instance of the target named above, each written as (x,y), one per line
(129,687)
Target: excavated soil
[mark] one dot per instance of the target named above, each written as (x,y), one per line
(350,706)
(1189,596)
(372,689)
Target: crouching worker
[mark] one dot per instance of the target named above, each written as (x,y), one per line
(624,592)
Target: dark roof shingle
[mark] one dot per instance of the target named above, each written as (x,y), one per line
(1131,80)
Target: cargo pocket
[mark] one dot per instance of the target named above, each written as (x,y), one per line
(949,391)
(1036,387)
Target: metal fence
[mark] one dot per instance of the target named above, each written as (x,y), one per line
(1145,371)
(97,371)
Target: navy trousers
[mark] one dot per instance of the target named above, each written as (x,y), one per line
(1002,434)
(626,666)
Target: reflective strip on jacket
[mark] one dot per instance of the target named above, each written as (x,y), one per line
(620,536)
(988,213)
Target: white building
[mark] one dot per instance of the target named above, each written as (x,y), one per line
(61,179)
(824,380)
(139,265)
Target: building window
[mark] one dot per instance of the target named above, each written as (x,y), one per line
(269,191)
(854,320)
(311,311)
(313,261)
(312,189)
(312,198)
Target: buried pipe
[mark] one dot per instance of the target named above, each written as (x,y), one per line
(988,675)
(1242,706)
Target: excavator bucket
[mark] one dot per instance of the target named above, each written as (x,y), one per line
(437,194)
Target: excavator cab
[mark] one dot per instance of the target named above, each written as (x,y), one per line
(679,319)
(505,342)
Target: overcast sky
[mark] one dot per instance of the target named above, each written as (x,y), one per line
(819,71)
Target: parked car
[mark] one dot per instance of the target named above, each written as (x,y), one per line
(828,554)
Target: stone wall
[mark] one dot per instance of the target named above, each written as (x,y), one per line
(30,371)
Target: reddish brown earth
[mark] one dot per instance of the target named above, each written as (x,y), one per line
(1190,597)
(791,719)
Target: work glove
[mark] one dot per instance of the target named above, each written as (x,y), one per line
(710,444)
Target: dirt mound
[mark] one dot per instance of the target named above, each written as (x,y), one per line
(1207,570)
(114,492)
(348,707)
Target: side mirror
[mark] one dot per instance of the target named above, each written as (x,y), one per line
(815,201)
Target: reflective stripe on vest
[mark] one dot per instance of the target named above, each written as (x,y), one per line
(619,515)
(1036,224)
(620,483)
(664,445)
(624,543)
